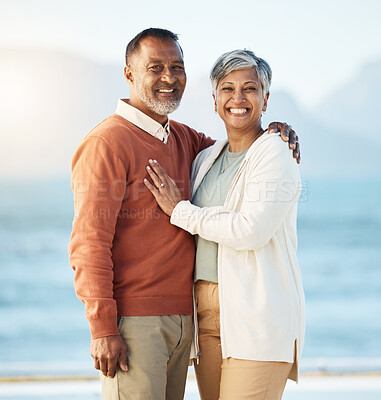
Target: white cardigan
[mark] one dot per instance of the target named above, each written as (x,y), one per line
(260,287)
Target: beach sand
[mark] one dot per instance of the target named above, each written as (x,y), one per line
(311,387)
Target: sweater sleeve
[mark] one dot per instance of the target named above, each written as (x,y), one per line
(271,188)
(98,183)
(205,141)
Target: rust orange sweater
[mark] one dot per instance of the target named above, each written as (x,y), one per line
(128,259)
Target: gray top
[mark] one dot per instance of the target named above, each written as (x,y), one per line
(212,192)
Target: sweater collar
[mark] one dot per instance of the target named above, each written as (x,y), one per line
(143,121)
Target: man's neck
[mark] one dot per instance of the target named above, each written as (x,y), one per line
(138,104)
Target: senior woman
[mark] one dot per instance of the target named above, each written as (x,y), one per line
(248,288)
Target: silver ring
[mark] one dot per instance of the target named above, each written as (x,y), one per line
(161,184)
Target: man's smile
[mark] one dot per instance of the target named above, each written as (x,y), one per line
(166,90)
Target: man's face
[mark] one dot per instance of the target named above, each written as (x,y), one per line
(157,77)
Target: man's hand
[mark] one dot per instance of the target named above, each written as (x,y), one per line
(288,135)
(107,352)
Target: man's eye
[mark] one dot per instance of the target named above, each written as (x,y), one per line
(155,67)
(178,67)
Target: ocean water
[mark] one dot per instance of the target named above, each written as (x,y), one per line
(42,321)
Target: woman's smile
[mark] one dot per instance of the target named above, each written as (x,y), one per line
(237,111)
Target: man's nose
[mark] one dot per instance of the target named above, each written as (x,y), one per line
(168,76)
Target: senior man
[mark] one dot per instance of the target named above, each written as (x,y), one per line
(133,269)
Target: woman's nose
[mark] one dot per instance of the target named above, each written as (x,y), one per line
(238,96)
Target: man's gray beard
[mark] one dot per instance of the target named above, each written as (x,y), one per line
(162,108)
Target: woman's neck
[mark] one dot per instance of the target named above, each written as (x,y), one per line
(240,141)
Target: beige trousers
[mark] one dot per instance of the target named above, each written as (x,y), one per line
(230,379)
(157,355)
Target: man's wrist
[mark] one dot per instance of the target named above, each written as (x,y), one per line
(105,326)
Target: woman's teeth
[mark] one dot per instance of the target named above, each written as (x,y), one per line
(238,110)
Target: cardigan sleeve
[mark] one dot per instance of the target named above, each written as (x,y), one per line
(98,182)
(271,188)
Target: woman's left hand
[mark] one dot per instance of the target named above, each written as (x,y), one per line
(164,188)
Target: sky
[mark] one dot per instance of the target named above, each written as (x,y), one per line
(313,47)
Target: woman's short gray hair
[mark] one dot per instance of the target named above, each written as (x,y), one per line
(240,59)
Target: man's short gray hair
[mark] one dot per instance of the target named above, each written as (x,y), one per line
(240,59)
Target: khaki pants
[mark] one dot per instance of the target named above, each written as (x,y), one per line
(230,379)
(158,355)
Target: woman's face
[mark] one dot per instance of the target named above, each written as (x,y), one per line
(239,100)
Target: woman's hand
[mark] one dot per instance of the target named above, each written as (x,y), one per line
(164,188)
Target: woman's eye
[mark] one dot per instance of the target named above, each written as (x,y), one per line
(227,89)
(250,88)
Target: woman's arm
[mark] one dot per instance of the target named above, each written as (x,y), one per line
(272,188)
